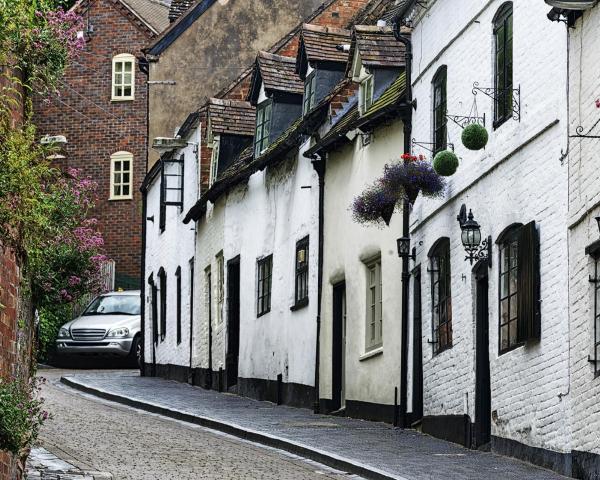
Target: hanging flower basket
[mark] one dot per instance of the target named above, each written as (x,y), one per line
(373,205)
(474,136)
(445,163)
(408,179)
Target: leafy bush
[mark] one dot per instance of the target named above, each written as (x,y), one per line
(474,136)
(445,163)
(21,414)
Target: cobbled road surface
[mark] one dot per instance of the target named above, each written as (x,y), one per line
(97,435)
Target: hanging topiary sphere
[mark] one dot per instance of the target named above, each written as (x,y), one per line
(474,136)
(445,163)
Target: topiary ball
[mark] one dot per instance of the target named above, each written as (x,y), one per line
(445,163)
(474,136)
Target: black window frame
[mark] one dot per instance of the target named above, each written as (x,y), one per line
(264,282)
(310,93)
(162,214)
(503,64)
(441,295)
(594,252)
(439,109)
(162,276)
(508,250)
(154,307)
(301,274)
(261,142)
(528,306)
(178,313)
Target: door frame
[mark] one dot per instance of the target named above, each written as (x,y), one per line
(483,395)
(232,375)
(337,350)
(417,377)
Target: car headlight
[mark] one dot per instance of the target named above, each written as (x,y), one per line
(119,332)
(63,333)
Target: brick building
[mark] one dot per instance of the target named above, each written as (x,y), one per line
(102,111)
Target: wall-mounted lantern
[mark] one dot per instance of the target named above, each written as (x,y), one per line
(471,238)
(404,248)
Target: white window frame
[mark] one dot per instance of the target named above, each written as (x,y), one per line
(374,305)
(214,161)
(121,157)
(366,91)
(122,59)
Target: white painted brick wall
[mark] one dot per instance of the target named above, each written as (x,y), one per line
(171,249)
(531,184)
(584,195)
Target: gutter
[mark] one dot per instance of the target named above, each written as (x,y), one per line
(405,39)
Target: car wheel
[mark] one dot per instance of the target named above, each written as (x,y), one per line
(136,350)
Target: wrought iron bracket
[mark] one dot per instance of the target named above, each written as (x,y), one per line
(481,252)
(580,131)
(429,145)
(493,93)
(593,280)
(462,121)
(592,360)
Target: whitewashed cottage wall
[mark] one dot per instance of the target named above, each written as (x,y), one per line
(519,177)
(371,376)
(584,205)
(170,249)
(268,215)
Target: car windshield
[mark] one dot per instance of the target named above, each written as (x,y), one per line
(114,305)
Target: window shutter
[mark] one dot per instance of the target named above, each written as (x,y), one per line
(529,324)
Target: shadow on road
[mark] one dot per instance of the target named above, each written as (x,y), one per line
(91,363)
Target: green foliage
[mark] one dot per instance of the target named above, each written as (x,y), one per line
(21,414)
(474,136)
(445,163)
(51,318)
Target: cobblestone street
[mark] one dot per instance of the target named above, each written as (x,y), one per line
(372,449)
(99,436)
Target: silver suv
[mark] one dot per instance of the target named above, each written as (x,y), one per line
(110,325)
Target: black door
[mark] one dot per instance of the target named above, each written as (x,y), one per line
(338,346)
(483,395)
(233,321)
(417,386)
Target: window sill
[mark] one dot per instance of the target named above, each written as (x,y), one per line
(118,199)
(122,99)
(370,354)
(299,305)
(258,315)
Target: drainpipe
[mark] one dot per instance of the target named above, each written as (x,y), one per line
(318,164)
(407,119)
(145,70)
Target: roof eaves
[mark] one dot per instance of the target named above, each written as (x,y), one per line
(172,33)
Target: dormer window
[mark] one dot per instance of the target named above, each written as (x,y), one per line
(309,92)
(366,93)
(263,127)
(214,161)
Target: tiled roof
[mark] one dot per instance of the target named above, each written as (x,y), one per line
(153,12)
(233,117)
(178,7)
(279,73)
(386,103)
(378,47)
(320,43)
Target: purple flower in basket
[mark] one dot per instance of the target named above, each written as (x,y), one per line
(376,203)
(408,179)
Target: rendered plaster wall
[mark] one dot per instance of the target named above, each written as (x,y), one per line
(519,177)
(347,244)
(278,207)
(584,200)
(172,248)
(212,53)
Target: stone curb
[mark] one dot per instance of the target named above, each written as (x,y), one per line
(44,465)
(303,450)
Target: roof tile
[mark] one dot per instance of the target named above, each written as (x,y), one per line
(279,73)
(320,43)
(231,117)
(378,47)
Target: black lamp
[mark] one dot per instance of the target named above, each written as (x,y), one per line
(471,238)
(404,248)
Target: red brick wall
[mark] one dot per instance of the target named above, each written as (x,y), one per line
(96,127)
(9,285)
